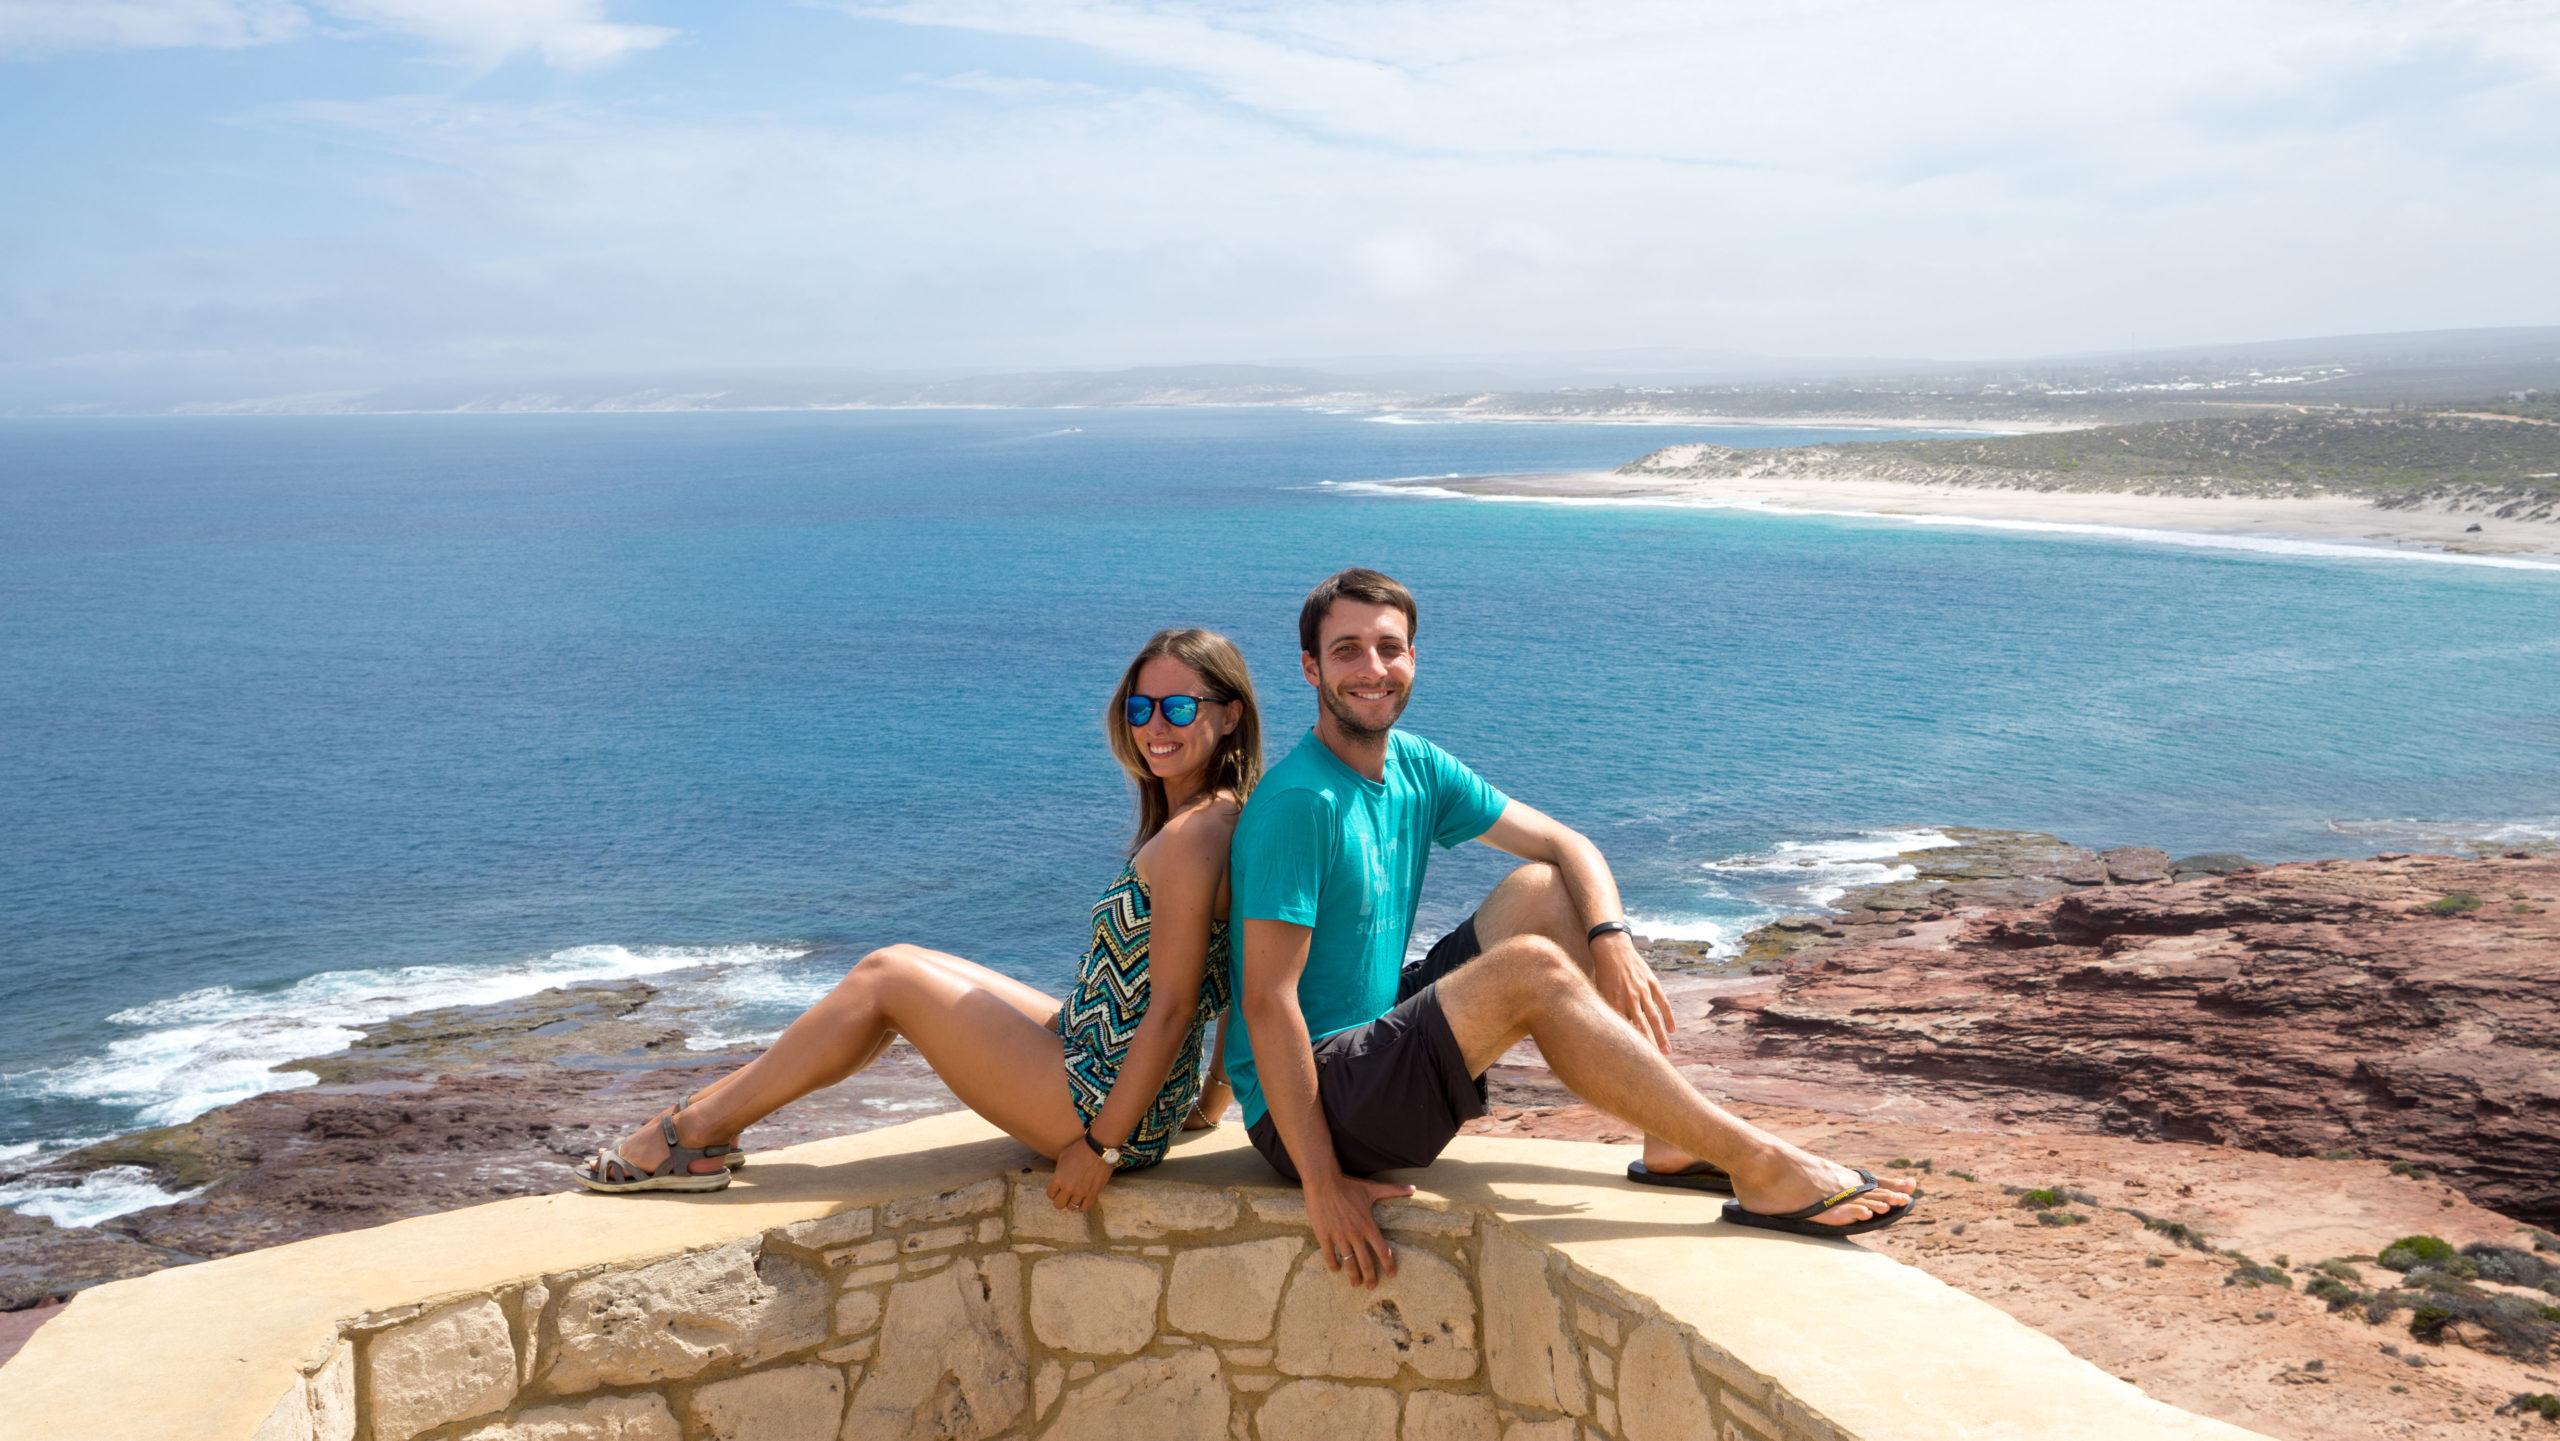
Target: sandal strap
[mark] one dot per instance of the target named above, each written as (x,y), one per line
(1866,1183)
(680,1157)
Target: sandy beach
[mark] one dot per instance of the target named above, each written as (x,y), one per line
(2258,522)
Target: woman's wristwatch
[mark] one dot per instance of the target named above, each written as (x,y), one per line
(1110,1154)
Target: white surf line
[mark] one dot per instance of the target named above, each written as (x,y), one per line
(2200,539)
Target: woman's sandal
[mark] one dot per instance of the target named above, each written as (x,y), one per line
(736,1159)
(614,1174)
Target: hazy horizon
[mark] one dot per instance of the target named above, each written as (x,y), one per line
(228,200)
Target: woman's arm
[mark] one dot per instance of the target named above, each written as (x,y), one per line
(1184,866)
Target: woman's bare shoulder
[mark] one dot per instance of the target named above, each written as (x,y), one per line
(1194,840)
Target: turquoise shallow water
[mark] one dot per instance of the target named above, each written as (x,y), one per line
(313,721)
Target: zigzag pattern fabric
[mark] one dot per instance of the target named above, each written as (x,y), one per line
(1108,1000)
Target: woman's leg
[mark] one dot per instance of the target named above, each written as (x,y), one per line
(984,1033)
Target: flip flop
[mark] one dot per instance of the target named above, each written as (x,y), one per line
(614,1173)
(1696,1176)
(1799,1222)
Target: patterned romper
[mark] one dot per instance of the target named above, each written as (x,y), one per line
(1102,1013)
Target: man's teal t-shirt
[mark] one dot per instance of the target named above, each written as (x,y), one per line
(1322,846)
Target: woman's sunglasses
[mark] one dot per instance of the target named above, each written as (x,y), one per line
(1179,710)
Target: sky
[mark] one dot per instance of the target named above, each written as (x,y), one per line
(223,199)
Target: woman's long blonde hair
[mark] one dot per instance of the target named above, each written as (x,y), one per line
(1238,762)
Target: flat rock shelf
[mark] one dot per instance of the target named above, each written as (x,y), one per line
(914,1283)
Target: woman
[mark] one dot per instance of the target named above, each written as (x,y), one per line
(1098,1083)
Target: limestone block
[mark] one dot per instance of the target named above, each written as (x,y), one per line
(1604,1409)
(1560,1429)
(990,1231)
(1604,1372)
(1658,1395)
(1098,1304)
(1283,1210)
(829,1232)
(1231,1292)
(1252,1384)
(1449,1416)
(1422,1220)
(1176,1398)
(333,1396)
(869,1253)
(290,1421)
(448,1365)
(1736,1378)
(970,1200)
(606,1418)
(1144,1211)
(674,1317)
(857,1350)
(1595,1323)
(1529,1357)
(857,1312)
(1044,1391)
(940,1238)
(953,1364)
(788,1403)
(869,1275)
(1034,1219)
(1423,1317)
(530,1304)
(1326,1411)
(927,1266)
(1749,1422)
(1249,1356)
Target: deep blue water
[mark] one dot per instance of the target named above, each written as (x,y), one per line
(434,708)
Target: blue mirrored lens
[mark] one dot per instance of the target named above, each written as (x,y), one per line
(1140,709)
(1181,710)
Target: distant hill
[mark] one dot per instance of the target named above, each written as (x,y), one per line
(2476,458)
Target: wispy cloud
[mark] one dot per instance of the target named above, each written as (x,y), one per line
(567,34)
(44,27)
(1078,182)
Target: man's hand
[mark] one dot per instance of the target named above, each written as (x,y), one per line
(1631,988)
(1347,1230)
(1080,1177)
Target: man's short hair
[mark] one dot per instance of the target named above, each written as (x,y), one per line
(1357,583)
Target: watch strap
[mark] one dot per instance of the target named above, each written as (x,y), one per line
(1605,927)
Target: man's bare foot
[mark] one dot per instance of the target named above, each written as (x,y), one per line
(1664,1159)
(1786,1178)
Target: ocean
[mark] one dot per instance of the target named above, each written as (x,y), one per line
(310,722)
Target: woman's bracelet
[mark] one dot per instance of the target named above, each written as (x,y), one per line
(1605,927)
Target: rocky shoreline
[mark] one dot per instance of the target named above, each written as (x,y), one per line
(2301,1062)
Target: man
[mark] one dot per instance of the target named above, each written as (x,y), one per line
(1350,1062)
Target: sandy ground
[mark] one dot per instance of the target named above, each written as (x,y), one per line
(2334,521)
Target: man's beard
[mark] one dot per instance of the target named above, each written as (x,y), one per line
(1351,725)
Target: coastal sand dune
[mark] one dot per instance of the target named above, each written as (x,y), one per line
(1854,491)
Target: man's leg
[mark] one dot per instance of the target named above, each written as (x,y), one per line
(1529,986)
(1532,901)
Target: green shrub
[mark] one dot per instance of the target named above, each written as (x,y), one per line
(2251,1273)
(2506,1263)
(2340,1269)
(1962,1175)
(2178,1231)
(2337,1293)
(1902,1164)
(2454,903)
(2533,1403)
(2408,1169)
(2342,1153)
(2060,1218)
(2043,1198)
(2153,1262)
(2410,1252)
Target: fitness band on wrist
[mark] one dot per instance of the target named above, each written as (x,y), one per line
(1605,927)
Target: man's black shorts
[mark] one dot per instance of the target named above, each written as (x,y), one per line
(1395,1090)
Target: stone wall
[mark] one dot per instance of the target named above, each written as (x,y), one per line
(914,1282)
(1172,1313)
